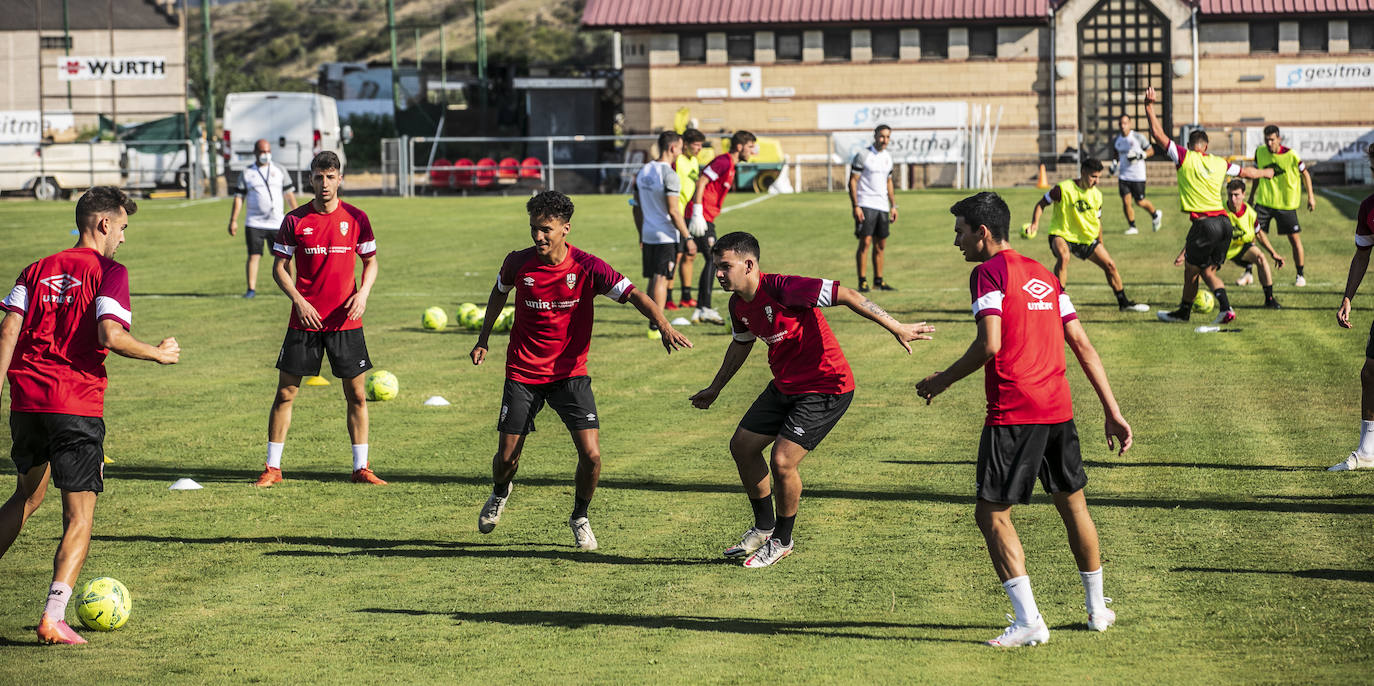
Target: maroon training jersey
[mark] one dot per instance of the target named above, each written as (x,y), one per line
(1364,223)
(1025,381)
(58,364)
(802,351)
(553,312)
(326,248)
(720,178)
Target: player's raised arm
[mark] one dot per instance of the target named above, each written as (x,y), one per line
(1116,427)
(496,302)
(904,333)
(1255,173)
(672,338)
(985,346)
(1156,129)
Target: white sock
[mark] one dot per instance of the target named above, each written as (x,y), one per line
(359,456)
(1022,600)
(58,595)
(1366,439)
(1092,590)
(274,454)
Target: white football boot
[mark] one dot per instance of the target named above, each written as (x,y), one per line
(583,537)
(1101,618)
(752,540)
(1352,462)
(491,512)
(1018,635)
(769,553)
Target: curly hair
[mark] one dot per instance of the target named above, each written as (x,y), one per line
(550,204)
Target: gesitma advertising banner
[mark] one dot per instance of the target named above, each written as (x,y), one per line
(1324,144)
(29,126)
(906,147)
(1331,75)
(898,115)
(111,68)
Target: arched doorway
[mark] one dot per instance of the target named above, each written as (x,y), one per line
(1123,46)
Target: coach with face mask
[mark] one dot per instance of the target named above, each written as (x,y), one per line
(265,185)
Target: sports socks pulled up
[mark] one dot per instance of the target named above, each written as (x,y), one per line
(1223,301)
(58,595)
(580,507)
(782,533)
(359,456)
(1366,447)
(501,489)
(1022,600)
(763,513)
(274,454)
(1092,590)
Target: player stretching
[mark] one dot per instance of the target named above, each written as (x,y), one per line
(1243,251)
(66,312)
(1131,151)
(546,359)
(811,388)
(1024,319)
(1201,178)
(688,170)
(658,220)
(1362,457)
(1277,198)
(1076,229)
(873,204)
(325,236)
(706,204)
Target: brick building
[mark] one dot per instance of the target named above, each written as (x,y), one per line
(1060,73)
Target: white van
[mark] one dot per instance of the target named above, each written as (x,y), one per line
(298,125)
(50,171)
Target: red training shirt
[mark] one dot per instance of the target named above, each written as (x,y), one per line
(325,247)
(58,364)
(553,312)
(720,175)
(1364,223)
(1025,381)
(802,351)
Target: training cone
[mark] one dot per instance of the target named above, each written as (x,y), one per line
(437,401)
(1043,182)
(316,381)
(109,460)
(184,484)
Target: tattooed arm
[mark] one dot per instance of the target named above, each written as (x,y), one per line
(904,333)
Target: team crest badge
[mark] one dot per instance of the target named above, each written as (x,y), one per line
(343,228)
(572,280)
(768,312)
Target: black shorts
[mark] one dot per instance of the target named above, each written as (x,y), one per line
(1011,457)
(1207,241)
(1369,347)
(804,418)
(571,398)
(1136,189)
(1286,219)
(1239,259)
(875,224)
(256,238)
(303,351)
(704,241)
(1080,250)
(660,259)
(74,446)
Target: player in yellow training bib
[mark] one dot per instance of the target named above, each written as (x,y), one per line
(1277,198)
(1076,229)
(1243,252)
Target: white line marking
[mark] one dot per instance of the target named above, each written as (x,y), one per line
(745,204)
(1342,196)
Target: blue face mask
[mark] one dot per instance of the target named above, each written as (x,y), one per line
(264,158)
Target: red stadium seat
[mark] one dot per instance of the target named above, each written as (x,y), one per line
(486,172)
(530,168)
(463,176)
(509,171)
(439,178)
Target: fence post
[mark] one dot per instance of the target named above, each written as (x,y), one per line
(829,168)
(403,167)
(549,142)
(90,161)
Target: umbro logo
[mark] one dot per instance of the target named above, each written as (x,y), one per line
(307,231)
(591,416)
(798,430)
(362,363)
(60,283)
(1037,289)
(529,281)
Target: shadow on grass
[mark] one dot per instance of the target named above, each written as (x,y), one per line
(1098,464)
(210,475)
(729,625)
(1362,575)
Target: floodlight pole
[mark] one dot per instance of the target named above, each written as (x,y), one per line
(207,76)
(479,18)
(395,66)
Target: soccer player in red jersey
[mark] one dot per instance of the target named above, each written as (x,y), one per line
(1362,457)
(719,178)
(65,314)
(811,388)
(555,284)
(1024,319)
(325,237)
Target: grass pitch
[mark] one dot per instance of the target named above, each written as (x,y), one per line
(1231,554)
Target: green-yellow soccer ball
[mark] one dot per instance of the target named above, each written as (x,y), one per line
(462,313)
(103,604)
(474,320)
(381,385)
(1204,302)
(506,320)
(434,319)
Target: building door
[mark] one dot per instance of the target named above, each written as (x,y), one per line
(1123,46)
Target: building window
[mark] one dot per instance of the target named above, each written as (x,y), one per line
(691,48)
(887,44)
(1312,35)
(55,42)
(1362,34)
(739,47)
(836,42)
(982,41)
(935,43)
(787,46)
(1264,36)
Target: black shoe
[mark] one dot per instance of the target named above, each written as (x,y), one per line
(1273,304)
(883,286)
(863,285)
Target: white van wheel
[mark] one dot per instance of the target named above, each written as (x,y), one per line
(46,189)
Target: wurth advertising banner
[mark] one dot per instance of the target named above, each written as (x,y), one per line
(111,68)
